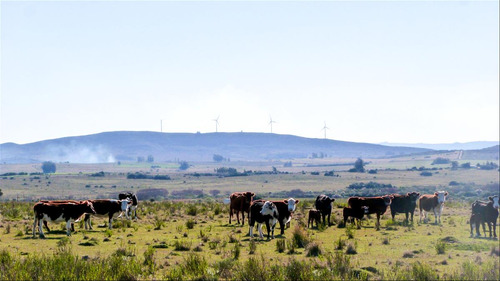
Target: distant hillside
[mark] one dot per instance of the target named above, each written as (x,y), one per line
(127,146)
(489,153)
(475,145)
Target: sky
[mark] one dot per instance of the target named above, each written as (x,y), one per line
(389,71)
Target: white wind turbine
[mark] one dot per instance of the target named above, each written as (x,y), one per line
(216,123)
(325,128)
(271,123)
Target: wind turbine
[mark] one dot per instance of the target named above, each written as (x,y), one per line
(216,123)
(325,128)
(271,123)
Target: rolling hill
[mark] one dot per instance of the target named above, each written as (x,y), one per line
(128,145)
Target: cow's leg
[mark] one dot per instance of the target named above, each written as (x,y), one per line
(472,226)
(411,217)
(421,215)
(477,223)
(238,216)
(329,221)
(259,227)
(34,226)
(484,228)
(230,214)
(378,221)
(282,226)
(40,228)
(407,215)
(393,214)
(68,228)
(250,230)
(435,216)
(242,218)
(46,225)
(309,221)
(110,221)
(489,228)
(495,228)
(268,227)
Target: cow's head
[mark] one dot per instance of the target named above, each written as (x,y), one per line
(124,203)
(441,195)
(413,196)
(89,208)
(269,209)
(249,196)
(495,201)
(365,209)
(388,199)
(292,203)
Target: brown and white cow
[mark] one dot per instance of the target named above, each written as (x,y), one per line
(376,205)
(323,204)
(263,212)
(240,202)
(285,208)
(58,202)
(432,202)
(404,204)
(485,213)
(60,211)
(314,216)
(108,208)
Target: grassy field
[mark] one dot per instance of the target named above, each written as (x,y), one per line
(191,239)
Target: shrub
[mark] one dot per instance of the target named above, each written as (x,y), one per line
(190,224)
(180,245)
(440,247)
(48,167)
(236,251)
(313,250)
(351,249)
(252,246)
(340,244)
(426,174)
(192,210)
(300,237)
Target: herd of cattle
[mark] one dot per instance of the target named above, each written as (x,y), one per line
(271,212)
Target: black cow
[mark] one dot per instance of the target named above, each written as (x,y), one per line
(132,209)
(263,212)
(324,205)
(404,204)
(485,212)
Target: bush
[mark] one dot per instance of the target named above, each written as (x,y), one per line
(280,245)
(252,247)
(313,250)
(351,249)
(440,160)
(440,247)
(48,167)
(300,237)
(426,174)
(190,224)
(183,165)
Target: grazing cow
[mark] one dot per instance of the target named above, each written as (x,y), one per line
(285,209)
(107,208)
(314,216)
(58,202)
(324,205)
(263,212)
(55,212)
(376,205)
(358,214)
(404,204)
(485,212)
(132,209)
(240,202)
(432,202)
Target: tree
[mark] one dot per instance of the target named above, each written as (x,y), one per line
(183,165)
(218,158)
(48,167)
(151,159)
(359,166)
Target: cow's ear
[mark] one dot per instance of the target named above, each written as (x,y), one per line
(392,197)
(418,193)
(446,194)
(286,201)
(297,201)
(253,194)
(332,199)
(490,198)
(435,193)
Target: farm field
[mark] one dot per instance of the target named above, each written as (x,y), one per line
(190,238)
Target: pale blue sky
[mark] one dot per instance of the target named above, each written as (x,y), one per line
(423,72)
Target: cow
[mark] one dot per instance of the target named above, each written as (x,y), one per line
(324,205)
(108,208)
(357,214)
(404,204)
(432,202)
(240,202)
(55,212)
(132,209)
(285,209)
(314,216)
(376,205)
(485,212)
(263,212)
(58,202)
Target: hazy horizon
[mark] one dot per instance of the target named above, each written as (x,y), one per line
(374,72)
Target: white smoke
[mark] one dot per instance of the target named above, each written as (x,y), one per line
(75,153)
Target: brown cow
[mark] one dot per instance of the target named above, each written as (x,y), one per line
(432,202)
(314,216)
(60,211)
(376,205)
(240,202)
(485,212)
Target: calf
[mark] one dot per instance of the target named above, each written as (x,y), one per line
(314,216)
(357,214)
(404,204)
(435,203)
(107,208)
(376,205)
(324,205)
(263,212)
(55,212)
(240,202)
(132,209)
(485,212)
